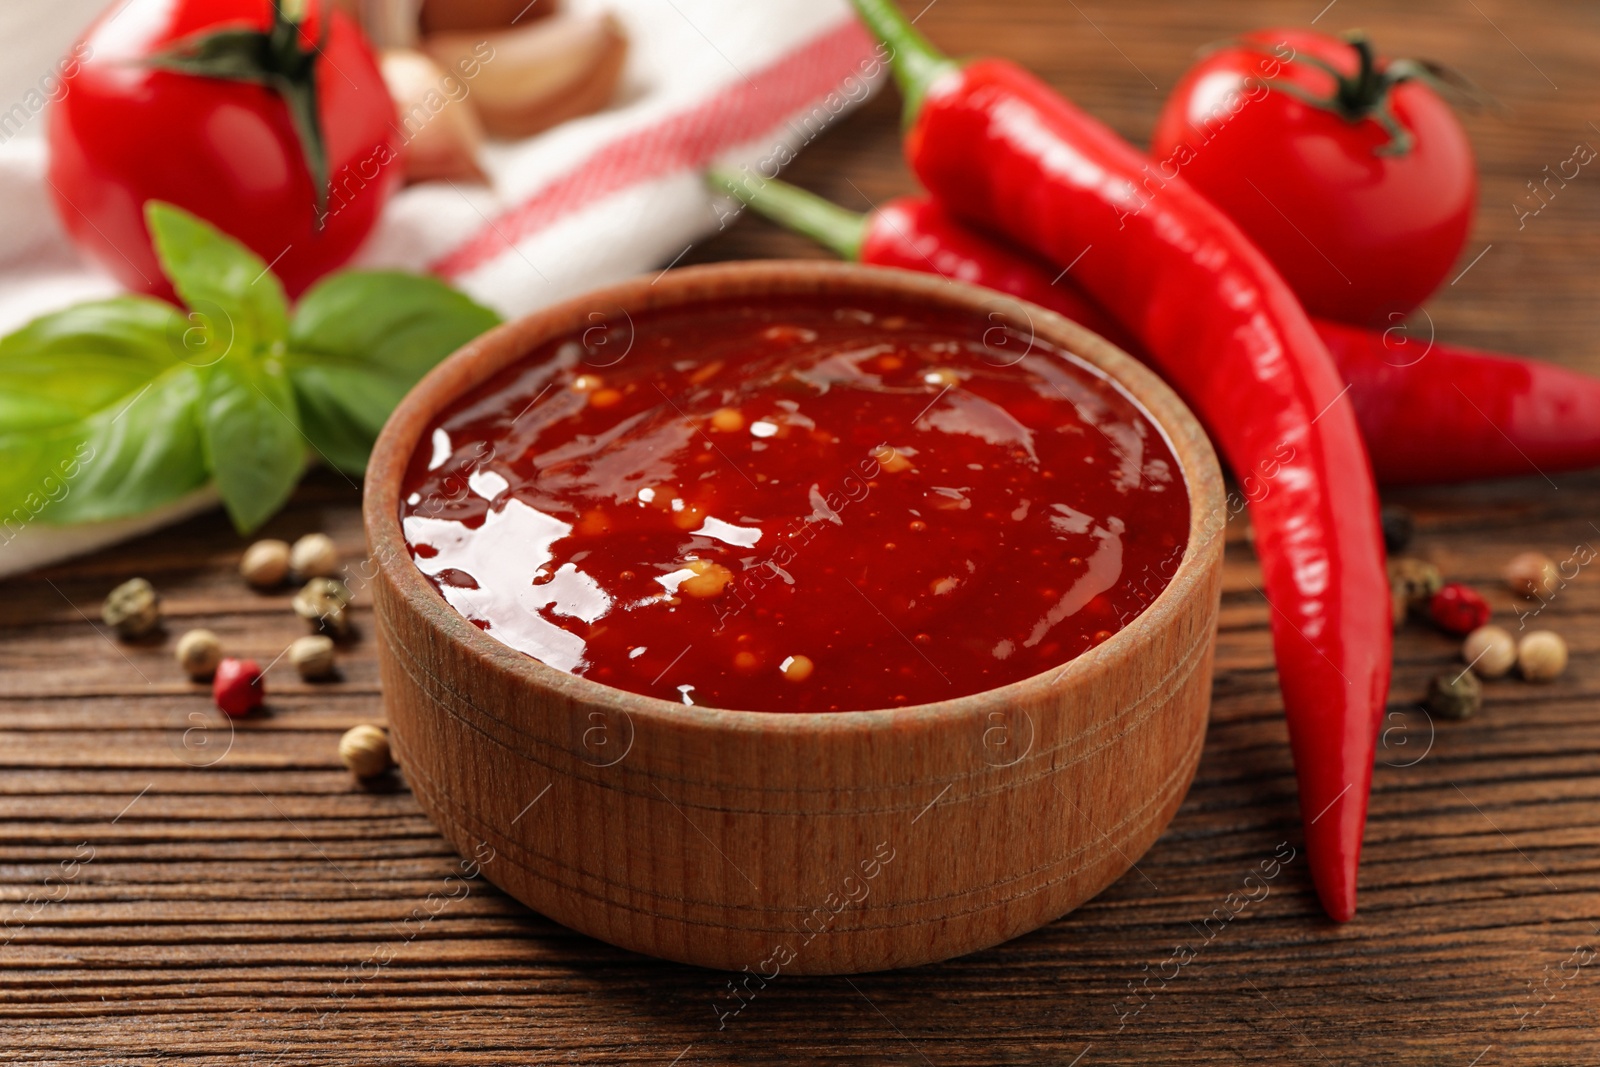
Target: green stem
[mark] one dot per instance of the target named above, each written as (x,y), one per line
(1362,94)
(828,224)
(916,62)
(1358,97)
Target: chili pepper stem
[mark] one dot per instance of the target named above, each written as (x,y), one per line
(916,63)
(839,231)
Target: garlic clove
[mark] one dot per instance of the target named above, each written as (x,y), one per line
(451,16)
(387,23)
(537,76)
(441,131)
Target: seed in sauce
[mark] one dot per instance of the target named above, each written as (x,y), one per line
(892,460)
(727,420)
(797,668)
(707,579)
(786,334)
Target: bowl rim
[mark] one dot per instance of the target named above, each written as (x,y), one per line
(481,358)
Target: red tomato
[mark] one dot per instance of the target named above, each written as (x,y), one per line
(1363,221)
(126,132)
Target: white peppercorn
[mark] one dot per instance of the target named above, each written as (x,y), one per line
(1541,656)
(1532,574)
(198,653)
(312,656)
(1490,651)
(265,564)
(315,556)
(365,750)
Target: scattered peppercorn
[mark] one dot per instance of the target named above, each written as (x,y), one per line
(365,750)
(1414,580)
(1398,528)
(1490,651)
(315,556)
(1541,656)
(1455,696)
(1532,574)
(132,609)
(323,603)
(198,653)
(265,564)
(237,687)
(312,656)
(1458,609)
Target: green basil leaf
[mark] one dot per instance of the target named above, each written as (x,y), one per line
(141,456)
(96,414)
(250,429)
(361,339)
(219,279)
(342,409)
(62,367)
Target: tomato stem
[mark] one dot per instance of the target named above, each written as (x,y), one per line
(1365,95)
(273,58)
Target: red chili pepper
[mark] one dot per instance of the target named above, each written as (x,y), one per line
(1429,413)
(1458,609)
(1002,149)
(1434,413)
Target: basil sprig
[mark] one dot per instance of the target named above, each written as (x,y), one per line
(112,408)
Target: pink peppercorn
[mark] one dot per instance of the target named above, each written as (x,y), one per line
(1458,609)
(237,687)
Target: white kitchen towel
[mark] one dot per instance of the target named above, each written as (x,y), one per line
(593,201)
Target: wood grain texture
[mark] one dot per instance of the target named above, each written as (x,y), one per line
(781,844)
(229,915)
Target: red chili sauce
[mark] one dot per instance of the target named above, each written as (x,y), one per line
(796,506)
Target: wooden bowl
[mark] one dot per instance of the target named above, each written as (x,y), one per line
(795,843)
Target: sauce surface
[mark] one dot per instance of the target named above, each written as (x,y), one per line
(796,506)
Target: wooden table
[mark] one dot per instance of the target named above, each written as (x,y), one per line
(182,892)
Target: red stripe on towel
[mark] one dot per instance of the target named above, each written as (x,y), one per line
(687,140)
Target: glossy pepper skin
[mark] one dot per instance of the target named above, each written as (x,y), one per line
(1433,413)
(1430,413)
(1001,149)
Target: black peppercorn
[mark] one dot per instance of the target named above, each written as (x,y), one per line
(1398,527)
(1455,695)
